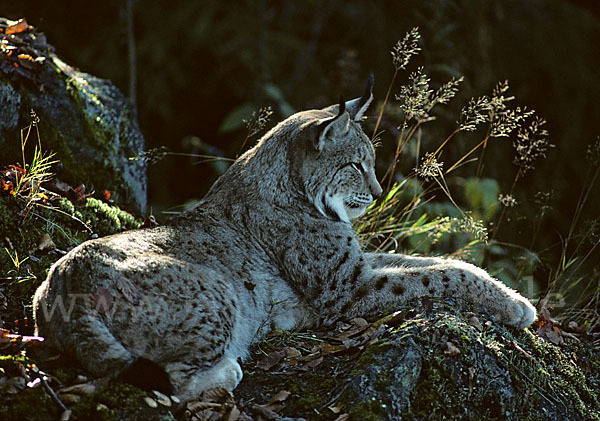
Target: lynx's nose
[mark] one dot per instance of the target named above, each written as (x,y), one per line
(376,190)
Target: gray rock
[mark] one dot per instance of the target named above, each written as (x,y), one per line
(85,120)
(389,377)
(434,364)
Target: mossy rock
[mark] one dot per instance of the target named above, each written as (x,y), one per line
(23,265)
(411,372)
(85,120)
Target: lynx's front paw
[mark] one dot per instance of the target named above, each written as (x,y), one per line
(519,312)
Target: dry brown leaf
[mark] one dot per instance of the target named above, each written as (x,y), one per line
(14,385)
(332,349)
(451,349)
(66,415)
(359,321)
(16,27)
(195,407)
(291,352)
(80,389)
(550,333)
(312,364)
(70,398)
(128,290)
(46,243)
(264,412)
(270,360)
(474,321)
(281,396)
(217,394)
(162,398)
(234,414)
(336,409)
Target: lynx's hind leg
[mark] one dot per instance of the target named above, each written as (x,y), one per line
(190,382)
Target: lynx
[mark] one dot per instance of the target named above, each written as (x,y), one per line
(175,307)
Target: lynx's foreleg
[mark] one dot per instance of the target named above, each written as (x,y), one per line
(383,287)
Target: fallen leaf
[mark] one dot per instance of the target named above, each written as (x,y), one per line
(27,61)
(66,415)
(161,398)
(70,398)
(451,349)
(77,195)
(359,321)
(196,407)
(14,385)
(249,285)
(16,27)
(128,290)
(264,412)
(149,221)
(343,417)
(291,352)
(550,333)
(332,349)
(150,402)
(217,394)
(46,243)
(270,360)
(80,379)
(281,396)
(474,321)
(311,364)
(336,409)
(80,389)
(396,319)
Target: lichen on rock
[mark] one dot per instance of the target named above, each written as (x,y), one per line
(85,120)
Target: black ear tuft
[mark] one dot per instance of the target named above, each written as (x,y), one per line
(147,375)
(369,89)
(342,106)
(357,107)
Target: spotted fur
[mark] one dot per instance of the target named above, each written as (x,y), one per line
(270,246)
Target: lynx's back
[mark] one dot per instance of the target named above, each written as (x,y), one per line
(270,245)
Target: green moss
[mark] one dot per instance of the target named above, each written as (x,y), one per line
(118,401)
(369,356)
(370,410)
(23,266)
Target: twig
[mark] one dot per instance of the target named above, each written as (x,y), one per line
(48,389)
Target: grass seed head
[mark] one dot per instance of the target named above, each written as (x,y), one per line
(531,143)
(405,48)
(592,154)
(258,121)
(415,96)
(474,113)
(430,167)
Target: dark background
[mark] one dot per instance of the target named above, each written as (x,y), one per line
(197,62)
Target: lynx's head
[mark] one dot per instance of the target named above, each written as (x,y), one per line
(318,159)
(337,161)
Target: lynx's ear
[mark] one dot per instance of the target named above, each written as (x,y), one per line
(333,127)
(357,107)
